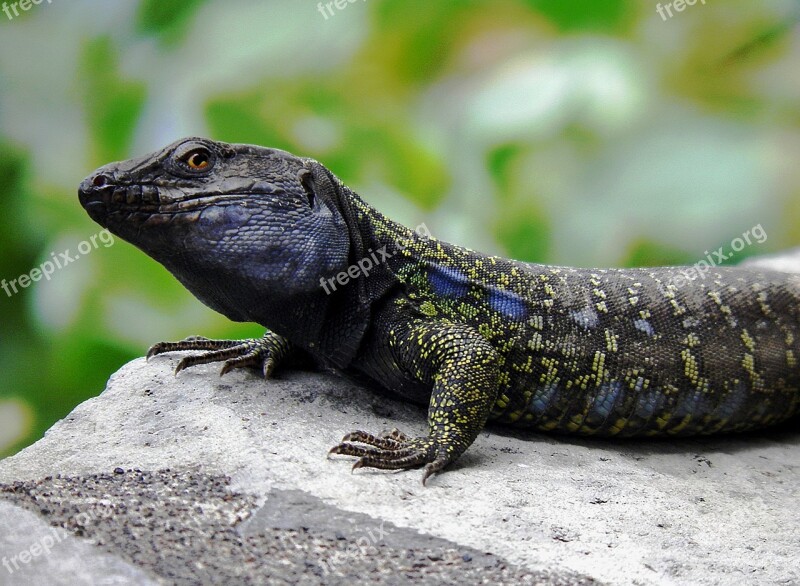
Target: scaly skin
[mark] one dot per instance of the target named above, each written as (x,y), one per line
(261,235)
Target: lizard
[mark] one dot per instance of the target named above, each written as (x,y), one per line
(261,235)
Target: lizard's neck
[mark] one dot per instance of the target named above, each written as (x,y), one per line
(380,232)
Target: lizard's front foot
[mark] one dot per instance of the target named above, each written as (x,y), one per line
(264,353)
(464,375)
(395,450)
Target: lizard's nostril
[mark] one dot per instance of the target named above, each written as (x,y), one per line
(100,181)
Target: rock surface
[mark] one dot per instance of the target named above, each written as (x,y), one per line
(200,479)
(145,467)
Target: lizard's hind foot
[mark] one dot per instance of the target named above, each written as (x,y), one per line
(264,353)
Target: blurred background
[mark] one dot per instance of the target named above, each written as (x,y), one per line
(582,132)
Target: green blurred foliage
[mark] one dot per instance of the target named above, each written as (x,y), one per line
(391,152)
(522,229)
(114,104)
(395,103)
(576,15)
(412,51)
(19,345)
(524,233)
(167,20)
(647,253)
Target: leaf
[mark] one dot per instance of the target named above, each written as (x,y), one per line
(500,163)
(166,19)
(579,15)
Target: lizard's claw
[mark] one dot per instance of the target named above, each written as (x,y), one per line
(263,353)
(394,451)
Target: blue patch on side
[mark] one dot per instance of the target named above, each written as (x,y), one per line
(648,404)
(509,304)
(542,398)
(644,326)
(606,398)
(695,403)
(586,318)
(447,282)
(734,402)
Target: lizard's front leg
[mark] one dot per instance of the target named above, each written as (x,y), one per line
(463,369)
(263,353)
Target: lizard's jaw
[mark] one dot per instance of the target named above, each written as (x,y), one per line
(100,196)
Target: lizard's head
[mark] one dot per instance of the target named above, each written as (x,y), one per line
(227,220)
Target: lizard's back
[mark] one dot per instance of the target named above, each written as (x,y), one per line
(622,351)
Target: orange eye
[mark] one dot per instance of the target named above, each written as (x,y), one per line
(198,159)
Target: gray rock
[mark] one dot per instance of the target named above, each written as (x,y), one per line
(226,479)
(786,262)
(200,480)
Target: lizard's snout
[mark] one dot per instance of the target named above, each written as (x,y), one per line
(100,193)
(100,180)
(94,193)
(95,189)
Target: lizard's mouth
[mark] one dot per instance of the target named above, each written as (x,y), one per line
(111,199)
(100,195)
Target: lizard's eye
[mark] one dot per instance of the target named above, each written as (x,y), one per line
(197,159)
(192,159)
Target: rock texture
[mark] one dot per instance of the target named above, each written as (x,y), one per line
(201,479)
